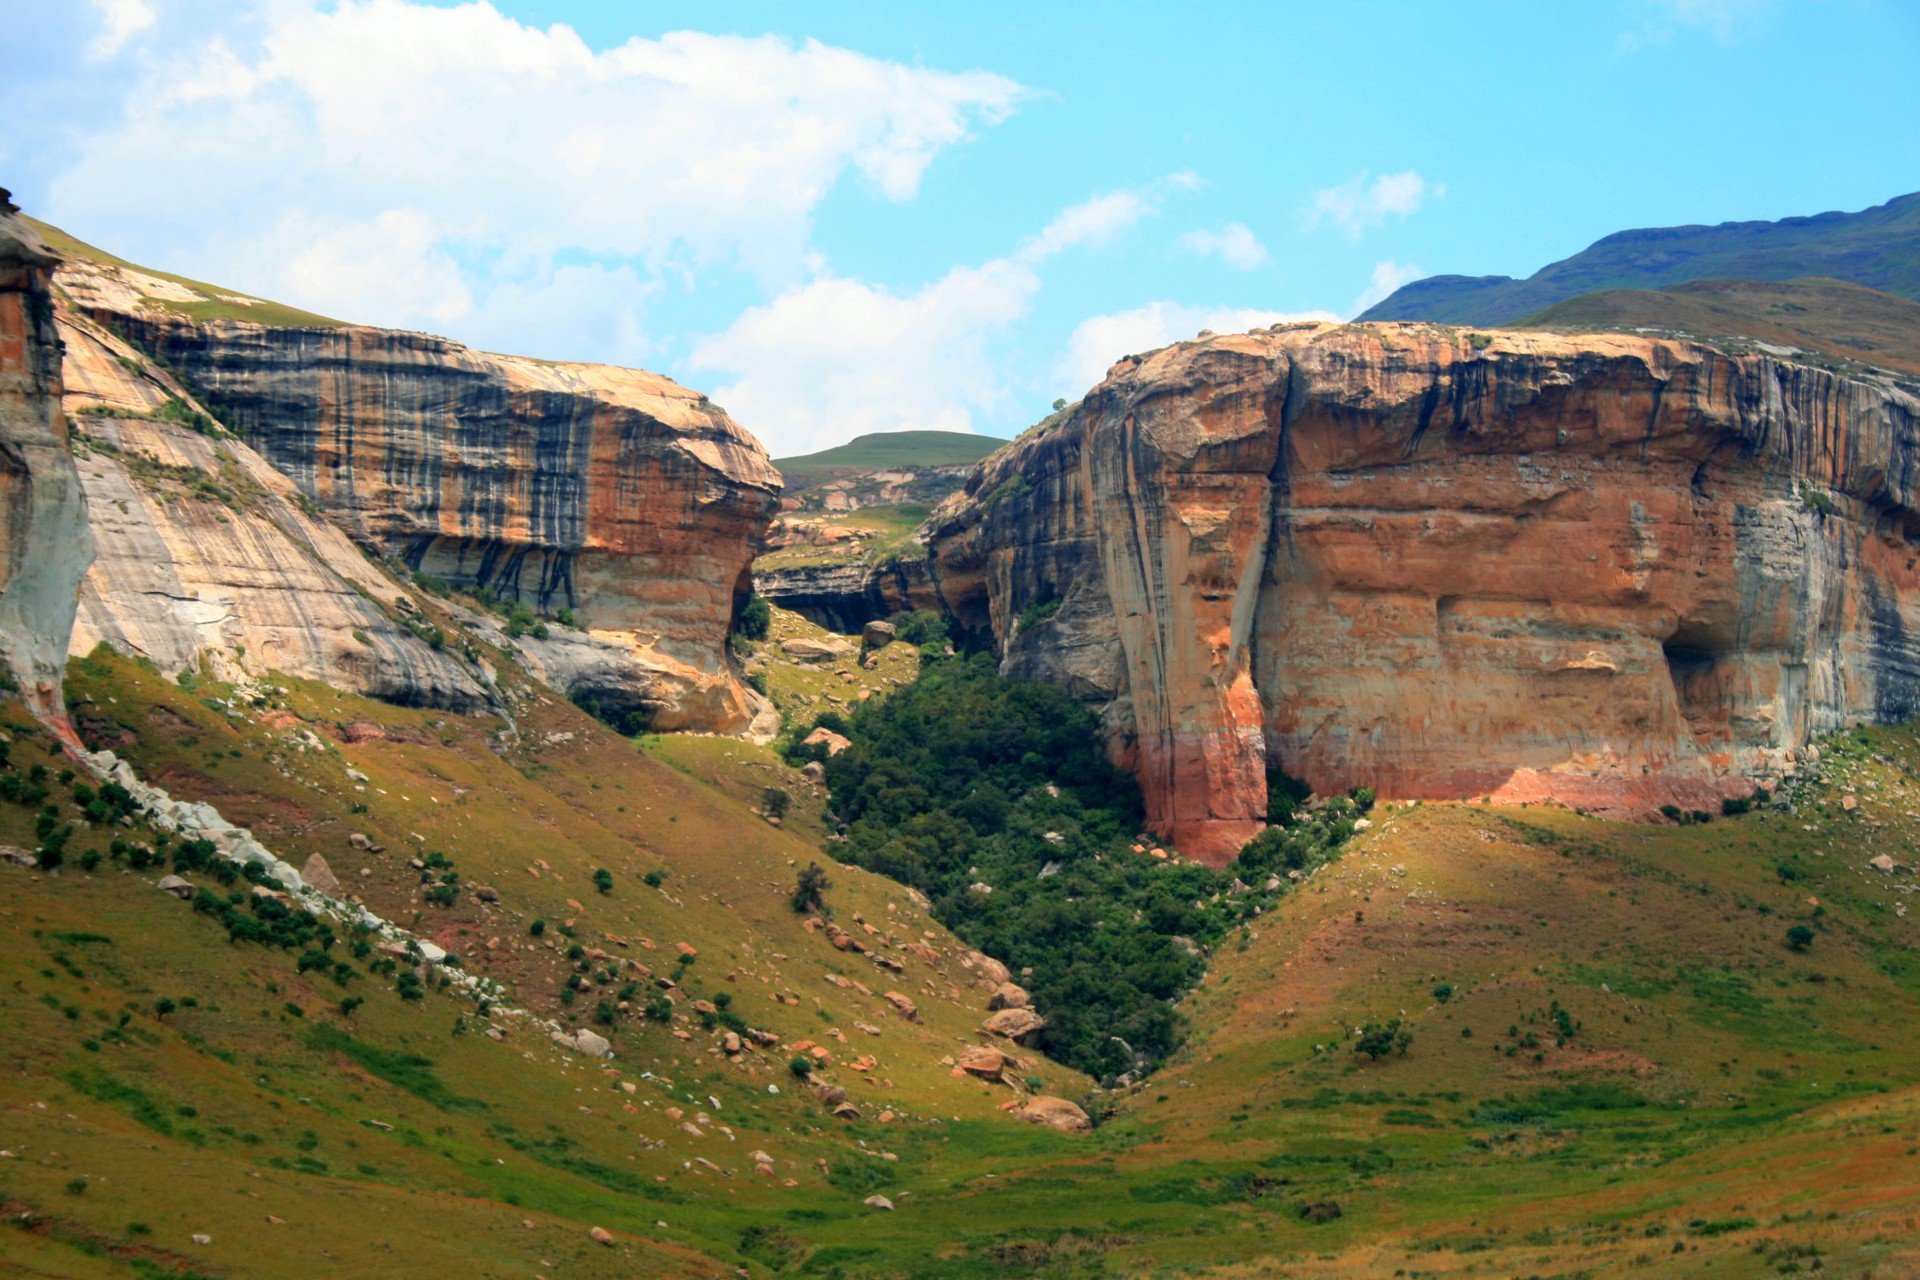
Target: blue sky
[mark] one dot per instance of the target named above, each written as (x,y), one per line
(851,217)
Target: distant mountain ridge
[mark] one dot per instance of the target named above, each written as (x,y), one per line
(1877,247)
(885,451)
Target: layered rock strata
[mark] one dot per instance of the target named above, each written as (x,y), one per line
(1615,571)
(210,560)
(45,545)
(613,493)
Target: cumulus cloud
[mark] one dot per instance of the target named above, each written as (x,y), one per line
(835,357)
(1357,204)
(1236,246)
(490,149)
(1387,276)
(1098,341)
(120,21)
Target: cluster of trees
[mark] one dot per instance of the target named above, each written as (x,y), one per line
(993,797)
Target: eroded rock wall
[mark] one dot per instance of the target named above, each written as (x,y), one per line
(45,545)
(1615,571)
(210,560)
(615,493)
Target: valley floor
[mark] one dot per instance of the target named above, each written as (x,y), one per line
(1618,1065)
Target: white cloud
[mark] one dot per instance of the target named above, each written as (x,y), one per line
(120,21)
(1238,247)
(489,148)
(1098,341)
(1357,205)
(1723,20)
(834,358)
(1387,276)
(1093,221)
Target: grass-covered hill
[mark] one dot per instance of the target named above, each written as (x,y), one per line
(885,451)
(194,299)
(1604,1049)
(1877,247)
(1845,322)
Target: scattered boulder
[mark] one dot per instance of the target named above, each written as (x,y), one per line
(591,1043)
(904,1005)
(600,1235)
(1055,1113)
(990,969)
(988,1064)
(174,885)
(17,856)
(815,772)
(847,1111)
(1015,1024)
(320,876)
(730,1044)
(1009,995)
(878,635)
(816,652)
(1884,863)
(878,1202)
(359,840)
(831,1095)
(835,743)
(1320,1211)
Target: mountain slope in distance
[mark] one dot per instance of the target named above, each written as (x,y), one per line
(885,450)
(1877,247)
(1845,321)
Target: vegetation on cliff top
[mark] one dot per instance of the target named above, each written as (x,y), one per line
(885,451)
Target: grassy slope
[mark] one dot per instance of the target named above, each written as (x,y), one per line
(1716,1096)
(885,532)
(212,305)
(1844,321)
(433,1191)
(885,451)
(1876,247)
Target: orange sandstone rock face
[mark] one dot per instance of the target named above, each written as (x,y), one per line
(616,493)
(1609,570)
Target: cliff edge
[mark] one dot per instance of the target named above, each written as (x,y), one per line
(1614,571)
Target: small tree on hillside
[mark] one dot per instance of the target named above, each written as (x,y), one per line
(809,891)
(1378,1039)
(1799,937)
(775,802)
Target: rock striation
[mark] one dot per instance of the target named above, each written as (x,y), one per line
(613,493)
(1615,571)
(45,545)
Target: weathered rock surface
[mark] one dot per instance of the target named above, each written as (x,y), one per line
(1055,1113)
(1612,570)
(209,559)
(1019,1024)
(614,493)
(45,545)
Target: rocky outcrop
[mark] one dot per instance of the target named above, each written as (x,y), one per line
(210,560)
(1615,571)
(616,494)
(45,545)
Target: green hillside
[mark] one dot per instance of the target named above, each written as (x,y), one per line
(1846,322)
(215,301)
(886,451)
(1877,247)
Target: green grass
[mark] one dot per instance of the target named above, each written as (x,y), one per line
(1845,322)
(885,451)
(211,306)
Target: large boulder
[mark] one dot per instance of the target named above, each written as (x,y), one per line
(591,1043)
(987,967)
(318,875)
(1017,1025)
(878,635)
(987,1064)
(179,888)
(1055,1113)
(1009,995)
(816,652)
(835,743)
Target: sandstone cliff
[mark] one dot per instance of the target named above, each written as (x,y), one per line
(210,560)
(613,493)
(1615,571)
(45,546)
